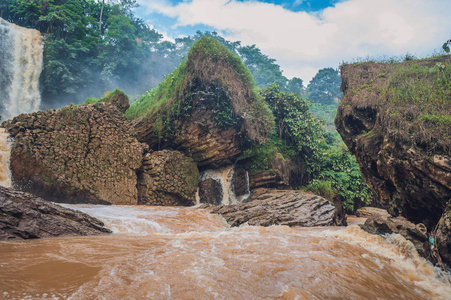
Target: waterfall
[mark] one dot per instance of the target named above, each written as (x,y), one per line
(20,68)
(224,176)
(5,154)
(228,185)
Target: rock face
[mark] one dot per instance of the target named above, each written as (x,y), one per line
(384,224)
(443,236)
(23,216)
(281,173)
(167,178)
(366,212)
(207,108)
(278,207)
(210,191)
(197,136)
(392,117)
(78,154)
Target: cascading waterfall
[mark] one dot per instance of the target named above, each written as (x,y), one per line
(20,68)
(5,154)
(228,177)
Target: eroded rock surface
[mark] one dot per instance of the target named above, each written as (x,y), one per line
(23,216)
(402,146)
(198,136)
(277,207)
(366,212)
(167,178)
(386,224)
(78,154)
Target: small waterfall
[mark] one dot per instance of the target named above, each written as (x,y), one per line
(20,68)
(5,154)
(243,197)
(224,176)
(228,185)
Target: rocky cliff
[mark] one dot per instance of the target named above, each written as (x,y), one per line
(395,118)
(207,108)
(77,154)
(23,216)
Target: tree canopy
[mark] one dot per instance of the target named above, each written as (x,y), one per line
(325,86)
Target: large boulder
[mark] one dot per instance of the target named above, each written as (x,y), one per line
(395,119)
(385,224)
(78,154)
(167,178)
(23,216)
(278,207)
(207,108)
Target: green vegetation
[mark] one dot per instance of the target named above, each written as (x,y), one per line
(220,76)
(339,170)
(418,101)
(109,97)
(325,87)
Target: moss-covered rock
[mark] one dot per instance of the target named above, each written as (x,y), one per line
(395,119)
(117,98)
(167,178)
(207,108)
(78,154)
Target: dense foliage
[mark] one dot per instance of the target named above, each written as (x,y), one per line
(325,86)
(338,170)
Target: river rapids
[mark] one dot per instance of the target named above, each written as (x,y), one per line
(187,253)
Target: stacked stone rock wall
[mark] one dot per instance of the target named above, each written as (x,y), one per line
(167,178)
(78,154)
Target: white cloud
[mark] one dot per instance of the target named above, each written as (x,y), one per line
(302,43)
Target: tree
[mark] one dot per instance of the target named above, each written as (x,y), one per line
(264,69)
(446,46)
(295,85)
(325,86)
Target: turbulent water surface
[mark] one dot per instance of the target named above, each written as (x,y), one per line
(186,253)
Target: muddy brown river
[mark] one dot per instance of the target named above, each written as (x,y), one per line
(186,253)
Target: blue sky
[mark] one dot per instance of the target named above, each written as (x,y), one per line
(305,36)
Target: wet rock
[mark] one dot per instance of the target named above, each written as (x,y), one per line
(443,236)
(210,191)
(277,207)
(386,224)
(78,154)
(339,215)
(366,212)
(167,178)
(24,216)
(403,156)
(240,182)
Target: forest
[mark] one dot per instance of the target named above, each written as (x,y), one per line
(91,47)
